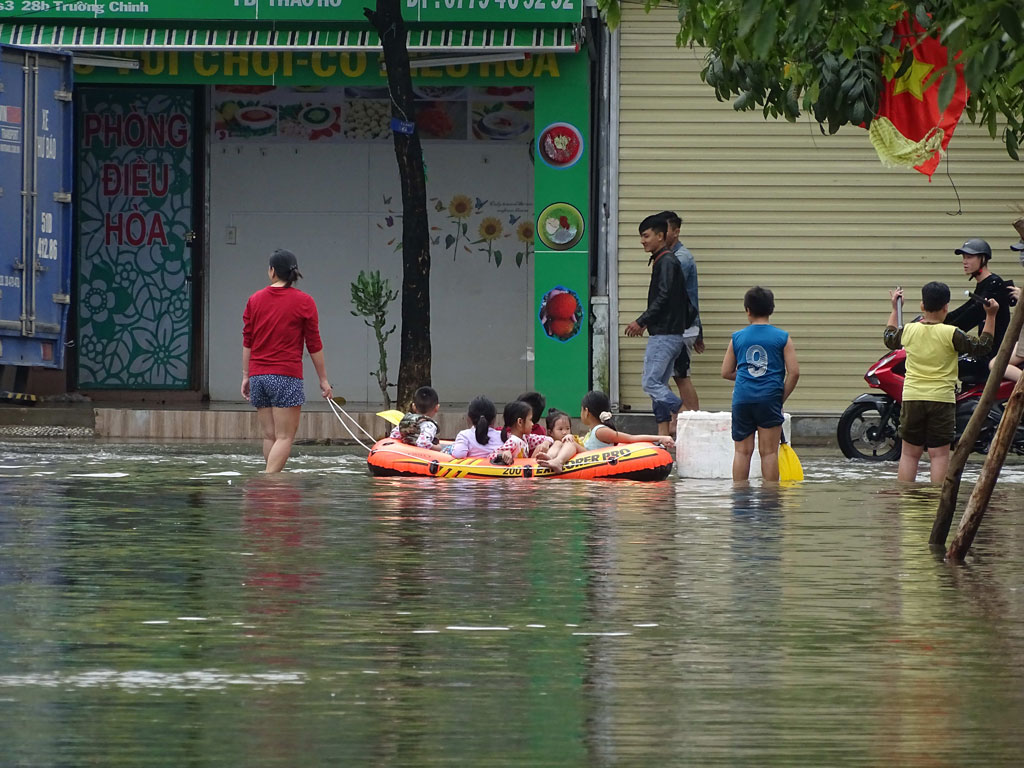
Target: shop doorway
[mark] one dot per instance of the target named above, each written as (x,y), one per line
(135,235)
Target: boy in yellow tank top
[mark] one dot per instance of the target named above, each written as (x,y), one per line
(928,413)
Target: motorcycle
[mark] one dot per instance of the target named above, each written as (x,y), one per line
(869,428)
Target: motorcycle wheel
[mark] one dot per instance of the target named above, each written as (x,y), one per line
(964,411)
(862,435)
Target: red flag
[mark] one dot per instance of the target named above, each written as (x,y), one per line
(911,130)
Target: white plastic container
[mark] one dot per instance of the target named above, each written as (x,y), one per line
(704,445)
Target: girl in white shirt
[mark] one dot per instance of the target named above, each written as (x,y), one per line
(481,439)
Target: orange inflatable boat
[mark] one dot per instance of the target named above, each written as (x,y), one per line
(633,461)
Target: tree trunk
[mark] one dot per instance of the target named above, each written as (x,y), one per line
(982,492)
(414,363)
(951,484)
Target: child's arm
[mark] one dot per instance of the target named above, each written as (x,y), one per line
(792,369)
(729,363)
(427,435)
(893,336)
(538,443)
(609,435)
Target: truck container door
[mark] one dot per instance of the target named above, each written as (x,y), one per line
(35,206)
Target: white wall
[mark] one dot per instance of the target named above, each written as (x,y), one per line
(327,204)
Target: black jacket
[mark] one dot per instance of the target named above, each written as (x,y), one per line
(668,307)
(971,316)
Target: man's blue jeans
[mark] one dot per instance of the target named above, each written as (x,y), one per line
(661,354)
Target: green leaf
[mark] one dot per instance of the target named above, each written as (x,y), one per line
(449,241)
(519,259)
(497,259)
(1010,21)
(764,37)
(745,101)
(749,15)
(1016,74)
(921,15)
(990,60)
(612,13)
(950,29)
(946,90)
(905,64)
(1011,144)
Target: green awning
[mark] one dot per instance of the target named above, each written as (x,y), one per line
(108,39)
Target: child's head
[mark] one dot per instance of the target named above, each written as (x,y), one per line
(559,423)
(759,302)
(518,417)
(537,402)
(425,401)
(481,414)
(596,407)
(934,296)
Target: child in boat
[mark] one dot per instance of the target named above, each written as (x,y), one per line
(518,440)
(537,402)
(595,413)
(481,439)
(559,424)
(418,427)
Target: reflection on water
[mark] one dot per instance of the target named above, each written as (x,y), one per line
(168,605)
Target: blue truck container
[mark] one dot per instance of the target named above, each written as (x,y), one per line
(36,134)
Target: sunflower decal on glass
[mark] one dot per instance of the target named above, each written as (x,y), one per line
(561,313)
(490,229)
(459,209)
(524,234)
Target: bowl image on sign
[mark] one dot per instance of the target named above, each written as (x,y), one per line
(561,313)
(560,226)
(501,126)
(560,145)
(257,117)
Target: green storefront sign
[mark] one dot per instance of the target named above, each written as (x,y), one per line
(342,11)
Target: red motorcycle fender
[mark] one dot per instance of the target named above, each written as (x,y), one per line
(879,400)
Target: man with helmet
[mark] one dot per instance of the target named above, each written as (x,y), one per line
(1013,368)
(976,254)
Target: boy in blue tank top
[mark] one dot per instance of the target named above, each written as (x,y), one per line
(762,361)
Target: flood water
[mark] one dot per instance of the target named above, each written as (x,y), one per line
(167,605)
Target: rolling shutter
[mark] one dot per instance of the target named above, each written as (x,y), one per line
(816,218)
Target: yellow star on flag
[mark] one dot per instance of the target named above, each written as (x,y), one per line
(912,81)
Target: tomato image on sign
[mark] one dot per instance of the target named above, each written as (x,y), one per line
(561,313)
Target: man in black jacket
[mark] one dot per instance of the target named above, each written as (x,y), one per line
(667,316)
(971,315)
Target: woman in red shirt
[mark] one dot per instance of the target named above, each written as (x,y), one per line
(278,321)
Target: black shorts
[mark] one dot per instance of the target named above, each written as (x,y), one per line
(927,423)
(748,417)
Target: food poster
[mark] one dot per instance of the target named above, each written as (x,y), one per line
(363,113)
(563,235)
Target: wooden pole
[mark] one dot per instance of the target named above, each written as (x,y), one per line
(957,462)
(982,492)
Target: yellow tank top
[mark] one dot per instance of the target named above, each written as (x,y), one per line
(931,362)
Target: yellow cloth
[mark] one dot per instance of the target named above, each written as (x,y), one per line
(931,362)
(897,151)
